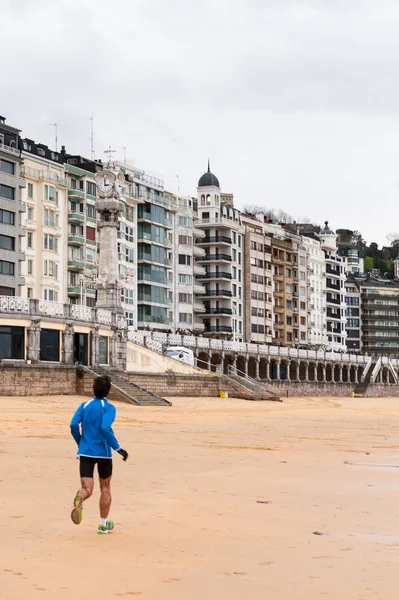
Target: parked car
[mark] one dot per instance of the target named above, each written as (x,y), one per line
(180,353)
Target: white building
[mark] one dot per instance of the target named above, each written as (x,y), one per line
(45,243)
(317,322)
(223,260)
(335,290)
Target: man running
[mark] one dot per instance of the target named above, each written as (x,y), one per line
(91,428)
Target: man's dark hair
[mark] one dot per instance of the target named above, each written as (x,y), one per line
(101,386)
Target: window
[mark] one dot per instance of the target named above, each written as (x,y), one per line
(185,278)
(129,213)
(90,211)
(129,318)
(50,295)
(302,291)
(91,233)
(253,245)
(29,238)
(90,256)
(302,275)
(50,193)
(186,298)
(12,342)
(30,214)
(30,190)
(7,242)
(303,320)
(253,262)
(7,192)
(184,260)
(239,241)
(30,267)
(127,296)
(129,255)
(129,234)
(90,188)
(50,242)
(30,292)
(185,221)
(50,345)
(259,263)
(49,217)
(254,278)
(185,240)
(353,323)
(7,217)
(302,261)
(303,305)
(7,167)
(185,318)
(6,291)
(6,267)
(234,237)
(50,268)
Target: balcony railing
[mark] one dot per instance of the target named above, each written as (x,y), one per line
(219,311)
(219,329)
(216,293)
(45,175)
(215,258)
(221,239)
(9,149)
(215,275)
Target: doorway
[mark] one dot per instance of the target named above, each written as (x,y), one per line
(81,348)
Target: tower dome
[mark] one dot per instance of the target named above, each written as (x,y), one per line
(208,179)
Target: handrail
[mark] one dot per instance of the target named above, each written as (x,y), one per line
(116,387)
(136,385)
(376,370)
(366,369)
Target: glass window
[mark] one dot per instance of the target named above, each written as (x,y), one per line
(30,190)
(7,167)
(7,192)
(29,238)
(7,217)
(7,242)
(6,267)
(30,267)
(12,342)
(103,350)
(50,345)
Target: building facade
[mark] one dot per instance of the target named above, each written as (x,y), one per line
(335,290)
(316,266)
(46,222)
(223,261)
(380,316)
(258,282)
(12,207)
(353,315)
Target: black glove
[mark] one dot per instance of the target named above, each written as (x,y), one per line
(123,453)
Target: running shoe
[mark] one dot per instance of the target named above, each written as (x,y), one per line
(104,529)
(76,514)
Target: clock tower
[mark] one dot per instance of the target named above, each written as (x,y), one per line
(109,206)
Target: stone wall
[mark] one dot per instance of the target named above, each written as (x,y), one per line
(37,380)
(172,384)
(284,389)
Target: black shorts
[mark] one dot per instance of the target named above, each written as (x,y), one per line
(104,466)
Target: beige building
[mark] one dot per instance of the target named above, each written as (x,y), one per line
(258,284)
(45,243)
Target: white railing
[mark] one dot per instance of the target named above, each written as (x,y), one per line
(53,309)
(9,149)
(14,304)
(47,175)
(83,313)
(104,316)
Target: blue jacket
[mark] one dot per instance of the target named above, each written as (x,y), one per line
(91,428)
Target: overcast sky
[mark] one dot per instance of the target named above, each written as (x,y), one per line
(295,102)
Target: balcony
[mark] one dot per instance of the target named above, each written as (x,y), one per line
(154,319)
(197,251)
(76,195)
(218,294)
(220,240)
(199,307)
(153,261)
(76,217)
(334,272)
(219,222)
(198,326)
(76,264)
(198,270)
(215,258)
(198,233)
(74,290)
(76,239)
(215,275)
(147,238)
(219,329)
(199,290)
(225,312)
(148,299)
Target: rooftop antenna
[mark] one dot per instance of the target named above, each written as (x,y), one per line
(91,118)
(56,135)
(124,153)
(110,152)
(178,183)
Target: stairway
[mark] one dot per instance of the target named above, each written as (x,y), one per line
(133,392)
(256,389)
(361,387)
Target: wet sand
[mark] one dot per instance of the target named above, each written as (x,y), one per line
(219,500)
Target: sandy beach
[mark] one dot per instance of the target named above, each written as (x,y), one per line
(220,499)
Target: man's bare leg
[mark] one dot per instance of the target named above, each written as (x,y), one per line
(86,490)
(105,498)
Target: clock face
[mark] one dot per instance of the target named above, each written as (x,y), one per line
(104,184)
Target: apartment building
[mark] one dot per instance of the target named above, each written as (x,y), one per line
(316,266)
(45,221)
(258,282)
(353,261)
(353,315)
(335,290)
(380,315)
(11,209)
(83,238)
(283,292)
(223,261)
(300,304)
